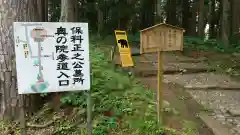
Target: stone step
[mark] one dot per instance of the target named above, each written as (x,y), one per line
(214,125)
(211,87)
(203,80)
(169,71)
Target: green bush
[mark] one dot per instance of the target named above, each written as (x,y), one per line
(114,91)
(211,44)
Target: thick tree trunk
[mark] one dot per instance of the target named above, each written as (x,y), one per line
(69,8)
(68,13)
(193,19)
(76,11)
(235,16)
(224,22)
(158,8)
(171,12)
(72,13)
(218,19)
(39,8)
(44,10)
(186,16)
(201,26)
(147,13)
(10,11)
(212,19)
(100,21)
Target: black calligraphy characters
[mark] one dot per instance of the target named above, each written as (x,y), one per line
(78,58)
(62,56)
(70,56)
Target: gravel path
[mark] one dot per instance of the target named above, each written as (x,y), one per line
(221,102)
(225,104)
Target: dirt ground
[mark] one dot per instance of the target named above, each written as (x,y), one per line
(178,99)
(190,103)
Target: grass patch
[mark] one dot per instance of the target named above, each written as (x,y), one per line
(196,43)
(224,59)
(121,105)
(189,128)
(7,128)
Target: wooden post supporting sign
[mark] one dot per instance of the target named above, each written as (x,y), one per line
(23,125)
(158,39)
(160,88)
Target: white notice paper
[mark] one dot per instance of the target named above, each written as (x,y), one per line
(52,56)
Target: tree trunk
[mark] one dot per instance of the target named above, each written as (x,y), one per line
(193,19)
(171,12)
(224,22)
(235,16)
(212,19)
(76,11)
(10,11)
(68,13)
(143,15)
(147,13)
(45,10)
(201,19)
(100,21)
(158,11)
(186,16)
(72,15)
(42,9)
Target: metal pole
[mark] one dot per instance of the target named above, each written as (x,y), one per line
(22,116)
(89,110)
(89,113)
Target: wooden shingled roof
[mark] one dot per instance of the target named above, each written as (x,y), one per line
(161,24)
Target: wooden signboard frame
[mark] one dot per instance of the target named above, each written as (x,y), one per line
(159,38)
(38,38)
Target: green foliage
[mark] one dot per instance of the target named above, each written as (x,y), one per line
(6,126)
(114,92)
(211,44)
(54,10)
(134,38)
(189,128)
(68,128)
(64,127)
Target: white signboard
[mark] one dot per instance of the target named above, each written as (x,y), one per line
(52,56)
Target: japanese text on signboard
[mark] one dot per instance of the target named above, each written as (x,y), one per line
(58,59)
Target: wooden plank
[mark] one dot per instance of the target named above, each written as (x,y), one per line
(161,38)
(160,88)
(163,24)
(214,125)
